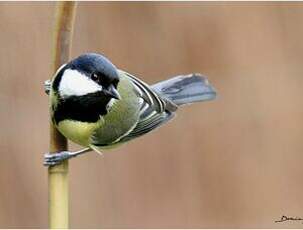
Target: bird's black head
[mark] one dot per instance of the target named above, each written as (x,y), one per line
(100,70)
(87,85)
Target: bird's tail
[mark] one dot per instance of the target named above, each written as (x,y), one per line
(186,89)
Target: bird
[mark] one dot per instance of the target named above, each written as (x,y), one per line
(98,106)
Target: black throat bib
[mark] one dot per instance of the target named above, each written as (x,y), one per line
(87,108)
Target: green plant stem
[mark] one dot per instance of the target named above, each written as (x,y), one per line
(58,175)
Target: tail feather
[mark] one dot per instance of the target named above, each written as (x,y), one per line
(186,89)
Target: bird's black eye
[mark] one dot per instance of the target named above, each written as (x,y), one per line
(94,77)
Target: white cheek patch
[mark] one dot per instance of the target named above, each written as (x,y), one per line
(74,83)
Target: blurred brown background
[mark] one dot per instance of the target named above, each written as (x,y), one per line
(233,162)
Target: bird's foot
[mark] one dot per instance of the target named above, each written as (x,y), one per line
(51,159)
(47,86)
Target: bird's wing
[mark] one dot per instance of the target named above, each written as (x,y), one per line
(149,120)
(155,110)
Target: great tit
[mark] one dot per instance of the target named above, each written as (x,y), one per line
(98,106)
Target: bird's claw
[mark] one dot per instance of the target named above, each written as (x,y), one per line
(51,159)
(47,86)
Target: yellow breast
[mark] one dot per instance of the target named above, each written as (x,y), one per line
(77,131)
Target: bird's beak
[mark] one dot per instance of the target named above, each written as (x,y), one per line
(112,92)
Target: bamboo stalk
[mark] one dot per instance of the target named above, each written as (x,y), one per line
(58,175)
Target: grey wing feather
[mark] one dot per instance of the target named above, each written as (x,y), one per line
(154,112)
(147,125)
(160,104)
